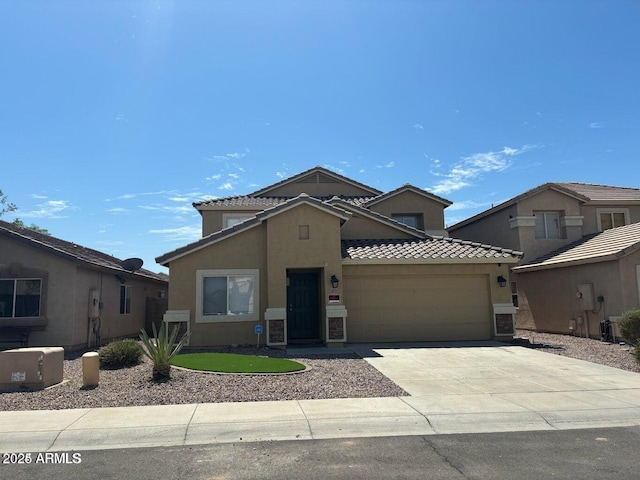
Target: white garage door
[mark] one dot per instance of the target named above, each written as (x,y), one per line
(404,308)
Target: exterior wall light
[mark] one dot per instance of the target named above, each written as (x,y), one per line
(502,281)
(334,281)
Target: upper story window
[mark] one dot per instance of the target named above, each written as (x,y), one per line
(612,217)
(20,297)
(231,219)
(547,224)
(410,219)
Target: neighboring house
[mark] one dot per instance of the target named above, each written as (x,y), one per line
(67,295)
(319,257)
(574,288)
(551,218)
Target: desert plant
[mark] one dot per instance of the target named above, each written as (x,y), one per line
(162,348)
(120,354)
(629,326)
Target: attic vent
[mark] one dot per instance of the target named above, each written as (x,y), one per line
(317,178)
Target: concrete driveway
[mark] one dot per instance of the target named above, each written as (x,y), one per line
(453,388)
(489,387)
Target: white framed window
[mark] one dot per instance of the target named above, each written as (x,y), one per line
(514,294)
(547,224)
(227,295)
(231,219)
(125,299)
(612,218)
(20,297)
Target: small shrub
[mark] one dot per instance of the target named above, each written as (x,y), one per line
(120,354)
(162,349)
(629,326)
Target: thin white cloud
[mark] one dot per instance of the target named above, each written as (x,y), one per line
(184,234)
(226,186)
(217,176)
(119,211)
(596,125)
(281,174)
(470,168)
(387,165)
(234,175)
(38,197)
(49,209)
(417,126)
(168,208)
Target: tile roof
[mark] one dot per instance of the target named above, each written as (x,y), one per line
(410,188)
(602,192)
(600,247)
(71,251)
(268,202)
(433,248)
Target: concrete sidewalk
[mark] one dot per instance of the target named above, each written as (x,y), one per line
(453,388)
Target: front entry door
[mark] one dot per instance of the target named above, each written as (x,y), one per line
(303,307)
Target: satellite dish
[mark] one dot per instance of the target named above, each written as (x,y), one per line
(132,264)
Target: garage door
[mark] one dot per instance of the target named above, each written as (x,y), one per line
(404,308)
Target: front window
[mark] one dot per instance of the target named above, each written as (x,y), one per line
(125,299)
(611,218)
(547,224)
(20,297)
(227,295)
(231,219)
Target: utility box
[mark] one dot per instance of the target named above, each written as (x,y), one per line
(31,368)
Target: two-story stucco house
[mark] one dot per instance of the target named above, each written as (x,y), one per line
(581,258)
(319,257)
(58,293)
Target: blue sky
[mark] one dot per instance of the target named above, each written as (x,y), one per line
(116,115)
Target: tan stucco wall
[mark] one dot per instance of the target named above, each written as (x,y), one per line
(246,250)
(493,229)
(422,302)
(412,203)
(548,298)
(360,227)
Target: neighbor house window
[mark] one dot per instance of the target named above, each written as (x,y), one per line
(547,224)
(231,219)
(514,294)
(412,220)
(20,297)
(612,218)
(227,295)
(125,299)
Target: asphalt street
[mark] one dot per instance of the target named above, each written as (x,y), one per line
(585,454)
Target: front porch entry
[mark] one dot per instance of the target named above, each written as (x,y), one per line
(303,306)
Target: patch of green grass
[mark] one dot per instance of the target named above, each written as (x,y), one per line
(235,363)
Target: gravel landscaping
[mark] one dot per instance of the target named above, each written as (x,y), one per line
(335,376)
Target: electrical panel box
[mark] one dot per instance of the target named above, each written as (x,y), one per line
(31,368)
(94,303)
(585,294)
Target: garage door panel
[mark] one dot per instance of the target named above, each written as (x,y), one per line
(417,308)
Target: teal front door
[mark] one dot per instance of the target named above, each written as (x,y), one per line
(303,307)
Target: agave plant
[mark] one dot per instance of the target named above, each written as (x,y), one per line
(162,350)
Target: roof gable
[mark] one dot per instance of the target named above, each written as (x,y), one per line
(582,192)
(252,222)
(407,188)
(317,176)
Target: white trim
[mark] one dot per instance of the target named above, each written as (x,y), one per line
(572,221)
(179,316)
(600,211)
(254,316)
(522,221)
